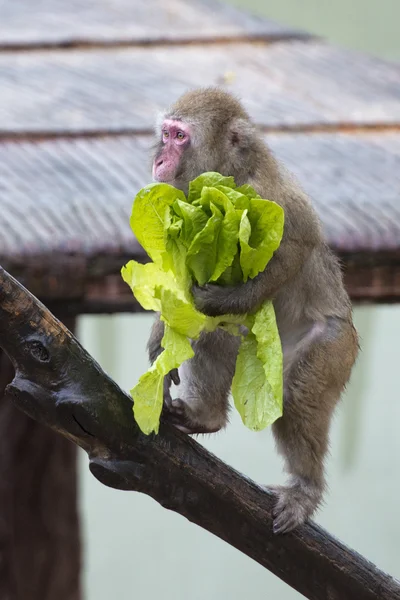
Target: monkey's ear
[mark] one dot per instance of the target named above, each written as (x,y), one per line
(240,133)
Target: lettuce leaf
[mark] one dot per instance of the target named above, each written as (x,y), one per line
(249,384)
(228,233)
(209,179)
(257,384)
(194,220)
(148,393)
(269,352)
(219,233)
(261,230)
(202,254)
(143,279)
(179,313)
(148,217)
(158,290)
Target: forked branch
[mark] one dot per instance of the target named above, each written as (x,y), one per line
(59,384)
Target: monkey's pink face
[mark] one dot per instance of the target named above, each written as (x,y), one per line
(175,139)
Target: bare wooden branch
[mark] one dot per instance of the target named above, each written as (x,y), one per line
(59,384)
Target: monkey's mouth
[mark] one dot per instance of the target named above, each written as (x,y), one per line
(178,175)
(164,171)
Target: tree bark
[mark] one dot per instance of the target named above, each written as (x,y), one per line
(39,528)
(59,384)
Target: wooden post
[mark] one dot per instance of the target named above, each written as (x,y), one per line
(39,527)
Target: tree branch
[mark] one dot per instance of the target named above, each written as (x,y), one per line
(60,385)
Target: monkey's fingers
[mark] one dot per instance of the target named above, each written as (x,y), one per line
(174,374)
(210,299)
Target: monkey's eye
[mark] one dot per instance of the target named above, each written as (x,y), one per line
(180,135)
(165,134)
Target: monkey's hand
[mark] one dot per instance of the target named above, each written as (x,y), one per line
(215,300)
(172,377)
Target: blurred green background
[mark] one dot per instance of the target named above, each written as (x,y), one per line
(135,549)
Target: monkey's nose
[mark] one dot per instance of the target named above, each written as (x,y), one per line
(159,162)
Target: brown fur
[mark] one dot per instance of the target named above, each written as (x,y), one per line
(312,307)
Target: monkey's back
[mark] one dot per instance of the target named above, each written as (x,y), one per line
(318,289)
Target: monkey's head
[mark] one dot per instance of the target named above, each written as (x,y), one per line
(205,130)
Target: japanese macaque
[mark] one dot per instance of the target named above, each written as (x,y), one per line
(209,130)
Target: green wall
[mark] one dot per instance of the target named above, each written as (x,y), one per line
(368,25)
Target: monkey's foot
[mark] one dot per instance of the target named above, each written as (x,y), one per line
(295,504)
(175,411)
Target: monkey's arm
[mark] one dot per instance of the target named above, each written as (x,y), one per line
(154,347)
(301,235)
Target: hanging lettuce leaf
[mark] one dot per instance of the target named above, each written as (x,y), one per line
(148,400)
(269,352)
(219,233)
(249,385)
(179,313)
(148,393)
(143,280)
(157,290)
(257,383)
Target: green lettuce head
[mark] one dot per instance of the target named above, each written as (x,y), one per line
(219,233)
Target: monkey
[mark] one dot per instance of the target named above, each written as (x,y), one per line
(209,130)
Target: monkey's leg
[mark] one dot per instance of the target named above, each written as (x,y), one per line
(312,390)
(205,385)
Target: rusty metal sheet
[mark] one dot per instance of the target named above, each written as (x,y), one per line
(24,23)
(292,84)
